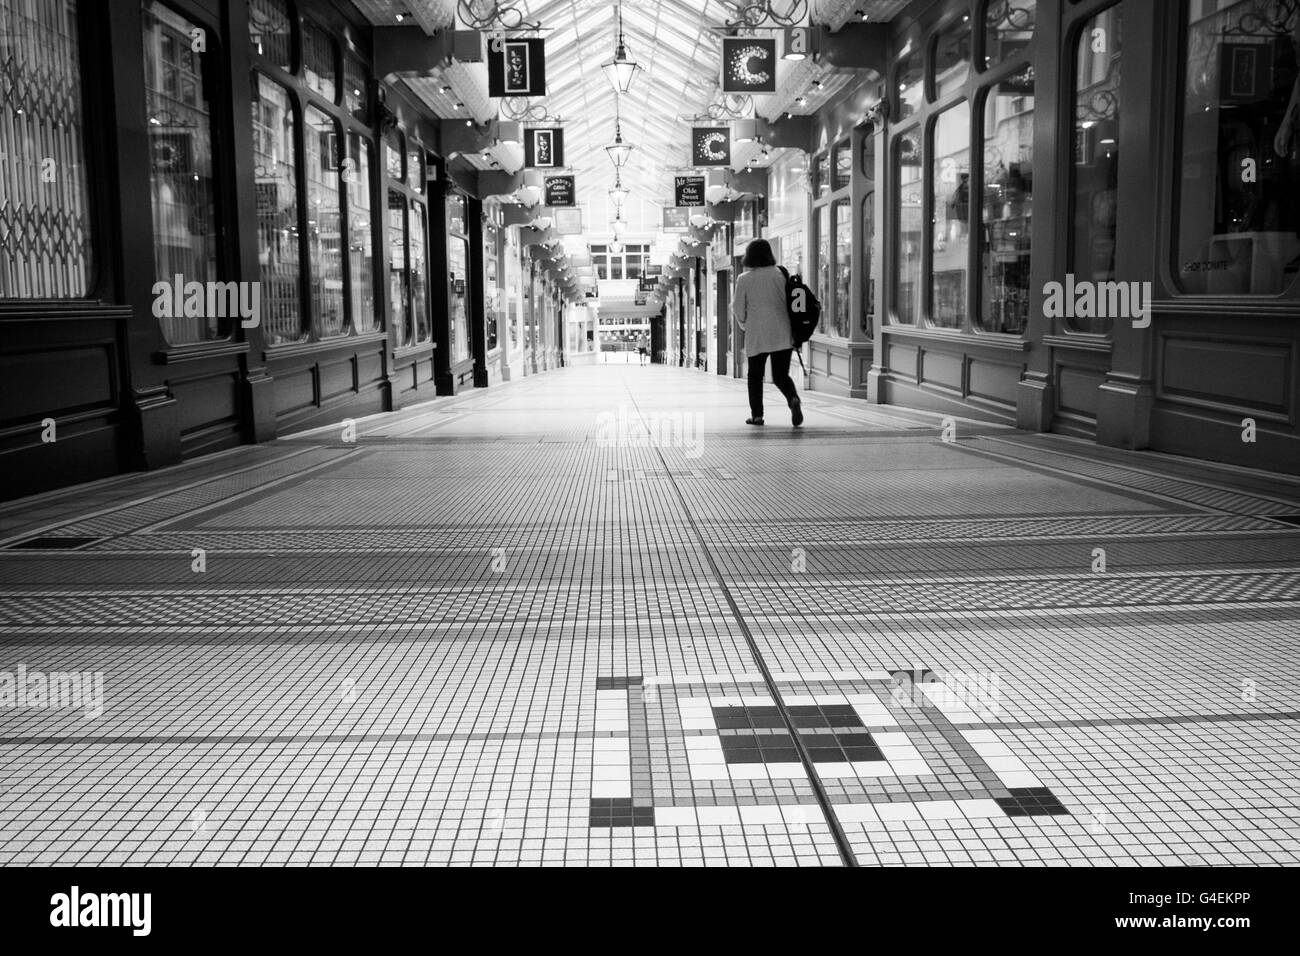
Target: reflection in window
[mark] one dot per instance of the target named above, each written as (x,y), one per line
(399,305)
(493,294)
(324,222)
(909,175)
(319,63)
(1007,202)
(843,267)
(364,317)
(458,296)
(456,215)
(180,166)
(355,80)
(415,168)
(824,266)
(950,227)
(419,272)
(951,59)
(1241,101)
(269,30)
(1095,167)
(275,171)
(822,180)
(393,155)
(843,165)
(45,247)
(868,231)
(909,87)
(1008,29)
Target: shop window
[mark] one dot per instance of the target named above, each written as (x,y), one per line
(418,230)
(951,60)
(270,30)
(324,222)
(868,230)
(456,215)
(356,79)
(492,292)
(364,316)
(950,225)
(843,166)
(1008,30)
(910,179)
(415,168)
(394,155)
(181,183)
(822,175)
(843,267)
(1006,206)
(824,266)
(319,60)
(1238,212)
(907,84)
(1094,176)
(45,241)
(399,304)
(275,171)
(457,277)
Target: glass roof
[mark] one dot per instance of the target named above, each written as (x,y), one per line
(675,44)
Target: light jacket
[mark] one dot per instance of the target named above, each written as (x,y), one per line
(760,309)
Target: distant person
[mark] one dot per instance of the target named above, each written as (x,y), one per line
(761,310)
(641,353)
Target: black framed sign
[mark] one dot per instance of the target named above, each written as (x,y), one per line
(748,65)
(689,190)
(516,67)
(710,146)
(544,148)
(560,191)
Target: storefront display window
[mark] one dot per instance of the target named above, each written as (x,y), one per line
(843,267)
(1006,206)
(909,175)
(951,59)
(364,317)
(908,86)
(1094,213)
(824,266)
(1240,144)
(45,251)
(399,306)
(1008,29)
(275,168)
(324,223)
(950,223)
(182,185)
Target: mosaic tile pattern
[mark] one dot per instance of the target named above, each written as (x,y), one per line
(486,634)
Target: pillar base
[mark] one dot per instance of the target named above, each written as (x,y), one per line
(1035,401)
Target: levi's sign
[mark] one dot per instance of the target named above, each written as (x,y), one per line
(516,67)
(690,190)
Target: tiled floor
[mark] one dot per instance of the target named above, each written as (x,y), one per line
(592,617)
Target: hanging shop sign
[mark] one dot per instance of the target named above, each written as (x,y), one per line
(710,146)
(516,67)
(675,219)
(544,148)
(748,65)
(568,221)
(689,190)
(560,191)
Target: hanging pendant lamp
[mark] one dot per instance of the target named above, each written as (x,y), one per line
(622,69)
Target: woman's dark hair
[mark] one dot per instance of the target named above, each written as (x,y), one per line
(758,254)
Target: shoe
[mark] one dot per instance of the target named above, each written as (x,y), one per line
(796,413)
(753,421)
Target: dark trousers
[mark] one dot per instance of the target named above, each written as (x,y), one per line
(780,376)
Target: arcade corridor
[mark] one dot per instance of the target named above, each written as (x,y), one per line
(573,619)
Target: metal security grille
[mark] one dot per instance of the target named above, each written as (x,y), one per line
(44,235)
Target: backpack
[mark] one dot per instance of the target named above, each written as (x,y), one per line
(804,309)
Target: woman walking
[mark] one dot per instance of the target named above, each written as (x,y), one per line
(760,309)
